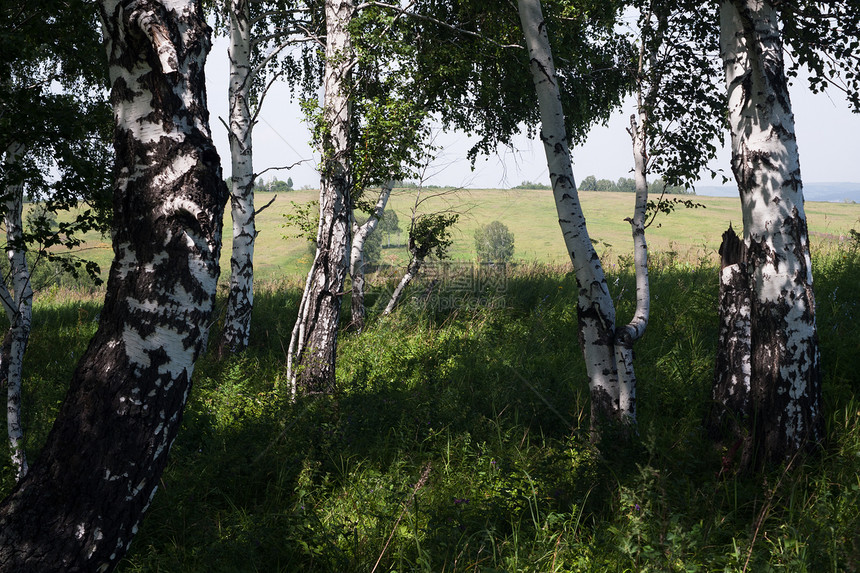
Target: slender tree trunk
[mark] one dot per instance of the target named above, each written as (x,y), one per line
(784,362)
(237,323)
(356,269)
(635,329)
(595,310)
(18,305)
(82,501)
(313,347)
(411,272)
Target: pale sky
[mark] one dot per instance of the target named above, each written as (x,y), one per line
(826,134)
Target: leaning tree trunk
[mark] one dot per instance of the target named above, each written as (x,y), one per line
(83,499)
(240,302)
(356,259)
(313,345)
(18,305)
(784,361)
(595,310)
(411,272)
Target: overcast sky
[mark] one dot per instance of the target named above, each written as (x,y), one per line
(824,125)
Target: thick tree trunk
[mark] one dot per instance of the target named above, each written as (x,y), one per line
(18,305)
(411,272)
(313,347)
(784,362)
(240,302)
(356,260)
(82,501)
(595,310)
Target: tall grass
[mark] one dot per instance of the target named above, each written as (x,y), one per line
(458,440)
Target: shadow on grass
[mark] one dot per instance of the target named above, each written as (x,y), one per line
(458,442)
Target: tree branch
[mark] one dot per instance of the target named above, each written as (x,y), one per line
(437,22)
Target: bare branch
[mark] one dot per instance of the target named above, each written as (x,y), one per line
(267,205)
(287,167)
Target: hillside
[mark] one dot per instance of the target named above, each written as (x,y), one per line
(691,234)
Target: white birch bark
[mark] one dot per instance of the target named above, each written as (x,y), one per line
(356,264)
(635,329)
(314,342)
(411,272)
(786,382)
(732,389)
(82,501)
(18,305)
(240,302)
(596,312)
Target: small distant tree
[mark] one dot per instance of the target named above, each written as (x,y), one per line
(40,217)
(626,185)
(588,184)
(606,185)
(389,224)
(304,220)
(658,186)
(494,243)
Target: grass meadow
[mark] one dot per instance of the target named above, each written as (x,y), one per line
(688,234)
(458,438)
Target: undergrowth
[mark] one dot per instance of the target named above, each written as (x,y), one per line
(458,441)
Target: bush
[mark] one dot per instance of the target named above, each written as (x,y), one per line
(494,243)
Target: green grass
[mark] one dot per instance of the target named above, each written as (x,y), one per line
(458,440)
(692,234)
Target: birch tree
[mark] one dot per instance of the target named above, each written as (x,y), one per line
(262,38)
(53,114)
(360,233)
(18,306)
(768,378)
(595,309)
(672,133)
(313,343)
(81,503)
(784,365)
(390,142)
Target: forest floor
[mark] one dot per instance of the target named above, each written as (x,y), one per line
(458,436)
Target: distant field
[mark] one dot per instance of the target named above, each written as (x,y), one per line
(692,234)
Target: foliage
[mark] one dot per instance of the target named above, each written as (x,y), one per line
(815,33)
(431,235)
(304,220)
(274,185)
(279,46)
(470,66)
(53,102)
(667,207)
(494,243)
(677,41)
(258,483)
